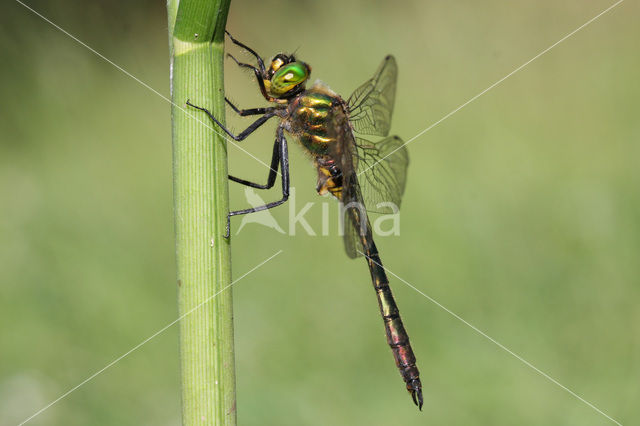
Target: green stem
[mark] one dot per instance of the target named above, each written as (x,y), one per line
(201,204)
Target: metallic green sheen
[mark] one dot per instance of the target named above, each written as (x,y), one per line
(314,113)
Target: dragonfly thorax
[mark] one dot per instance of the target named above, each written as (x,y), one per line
(317,118)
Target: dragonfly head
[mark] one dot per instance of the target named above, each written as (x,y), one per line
(286,76)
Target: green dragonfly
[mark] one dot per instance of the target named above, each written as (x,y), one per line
(364,176)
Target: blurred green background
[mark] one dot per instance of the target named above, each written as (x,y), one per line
(521,215)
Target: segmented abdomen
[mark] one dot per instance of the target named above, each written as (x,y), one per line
(397,336)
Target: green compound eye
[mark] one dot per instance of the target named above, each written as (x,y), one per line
(289,77)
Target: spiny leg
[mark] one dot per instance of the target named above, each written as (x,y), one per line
(281,143)
(275,157)
(250,111)
(248,49)
(259,73)
(246,132)
(273,170)
(244,64)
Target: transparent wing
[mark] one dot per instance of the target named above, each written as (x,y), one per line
(371,105)
(381,170)
(354,217)
(351,238)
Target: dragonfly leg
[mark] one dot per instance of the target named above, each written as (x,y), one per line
(245,65)
(283,150)
(251,111)
(248,49)
(246,132)
(260,75)
(273,171)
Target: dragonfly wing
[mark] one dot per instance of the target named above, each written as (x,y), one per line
(381,169)
(352,244)
(371,105)
(354,216)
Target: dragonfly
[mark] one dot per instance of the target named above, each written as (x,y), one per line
(365,176)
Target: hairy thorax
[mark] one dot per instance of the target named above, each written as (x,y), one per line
(318,119)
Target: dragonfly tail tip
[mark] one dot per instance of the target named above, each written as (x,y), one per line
(416,395)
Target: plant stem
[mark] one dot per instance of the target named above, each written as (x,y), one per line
(201,204)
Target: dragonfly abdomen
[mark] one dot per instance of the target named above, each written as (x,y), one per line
(329,177)
(397,336)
